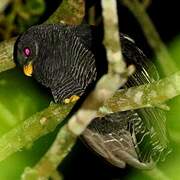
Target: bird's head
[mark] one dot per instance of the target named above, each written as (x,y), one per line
(26,51)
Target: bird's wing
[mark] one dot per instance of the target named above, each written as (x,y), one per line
(114,138)
(143,136)
(77,70)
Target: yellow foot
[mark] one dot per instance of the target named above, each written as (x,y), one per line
(71,99)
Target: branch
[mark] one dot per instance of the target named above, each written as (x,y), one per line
(6,55)
(167,64)
(33,128)
(147,95)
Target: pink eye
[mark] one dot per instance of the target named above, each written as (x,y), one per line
(27,52)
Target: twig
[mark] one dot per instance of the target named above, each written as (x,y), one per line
(92,14)
(166,62)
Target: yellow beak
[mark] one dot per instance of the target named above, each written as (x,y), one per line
(28,69)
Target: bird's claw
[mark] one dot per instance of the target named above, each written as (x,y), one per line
(72,99)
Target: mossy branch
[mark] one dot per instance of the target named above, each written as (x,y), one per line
(32,128)
(148,95)
(6,55)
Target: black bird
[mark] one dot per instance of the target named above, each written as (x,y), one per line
(62,58)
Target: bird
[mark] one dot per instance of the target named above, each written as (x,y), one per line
(63,59)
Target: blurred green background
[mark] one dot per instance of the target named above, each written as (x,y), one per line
(20,97)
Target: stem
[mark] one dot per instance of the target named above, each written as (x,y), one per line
(167,64)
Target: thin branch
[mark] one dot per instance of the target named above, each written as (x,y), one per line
(166,62)
(92,14)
